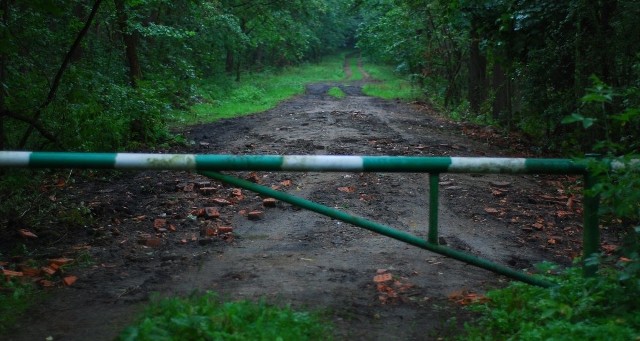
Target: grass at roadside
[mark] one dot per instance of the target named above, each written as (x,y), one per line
(16,297)
(256,92)
(336,92)
(204,317)
(599,308)
(389,84)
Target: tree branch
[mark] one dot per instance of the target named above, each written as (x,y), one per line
(56,81)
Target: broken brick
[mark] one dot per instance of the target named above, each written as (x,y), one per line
(220,201)
(30,272)
(69,280)
(24,233)
(10,273)
(159,223)
(208,190)
(46,283)
(225,229)
(255,215)
(47,270)
(211,213)
(382,278)
(150,241)
(269,202)
(210,232)
(61,261)
(253,177)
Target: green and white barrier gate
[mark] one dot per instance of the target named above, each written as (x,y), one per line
(207,164)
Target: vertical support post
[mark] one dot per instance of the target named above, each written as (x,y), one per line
(591,229)
(434,181)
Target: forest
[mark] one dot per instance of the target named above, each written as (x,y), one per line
(68,67)
(562,78)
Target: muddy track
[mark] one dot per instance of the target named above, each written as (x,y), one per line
(292,256)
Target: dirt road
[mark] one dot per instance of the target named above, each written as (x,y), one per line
(292,256)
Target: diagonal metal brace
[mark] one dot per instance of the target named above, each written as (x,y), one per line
(380,229)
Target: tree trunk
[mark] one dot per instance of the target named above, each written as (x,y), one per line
(477,71)
(502,89)
(130,41)
(4,60)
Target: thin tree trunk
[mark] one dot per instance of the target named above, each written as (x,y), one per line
(4,60)
(477,71)
(58,78)
(130,41)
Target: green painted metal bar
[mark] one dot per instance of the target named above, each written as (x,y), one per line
(326,163)
(378,228)
(591,228)
(434,182)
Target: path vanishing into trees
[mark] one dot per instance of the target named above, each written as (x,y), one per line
(153,233)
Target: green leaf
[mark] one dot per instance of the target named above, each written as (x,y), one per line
(588,122)
(573,118)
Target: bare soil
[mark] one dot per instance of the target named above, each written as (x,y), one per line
(292,256)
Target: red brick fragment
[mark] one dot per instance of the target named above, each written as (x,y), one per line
(30,272)
(210,232)
(159,223)
(220,201)
(46,283)
(255,215)
(211,213)
(61,261)
(10,273)
(24,233)
(69,280)
(225,229)
(269,202)
(49,271)
(208,190)
(150,241)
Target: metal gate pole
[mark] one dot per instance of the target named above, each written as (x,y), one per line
(434,180)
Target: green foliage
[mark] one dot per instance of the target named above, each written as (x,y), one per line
(390,84)
(336,92)
(16,297)
(578,308)
(224,98)
(204,317)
